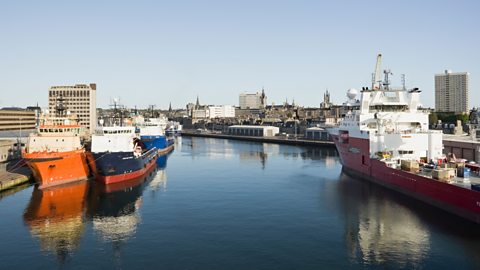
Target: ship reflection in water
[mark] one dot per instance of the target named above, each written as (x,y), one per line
(57,216)
(114,209)
(379,230)
(159,181)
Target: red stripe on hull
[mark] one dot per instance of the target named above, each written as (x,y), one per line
(457,200)
(111,179)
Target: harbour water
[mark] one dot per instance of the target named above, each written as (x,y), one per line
(223,204)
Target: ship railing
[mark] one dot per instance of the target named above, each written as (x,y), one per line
(402,132)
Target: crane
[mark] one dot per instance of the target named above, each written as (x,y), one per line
(376,80)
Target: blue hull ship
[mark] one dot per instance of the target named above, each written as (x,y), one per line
(119,155)
(158,141)
(152,134)
(113,167)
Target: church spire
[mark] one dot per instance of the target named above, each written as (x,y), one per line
(198,102)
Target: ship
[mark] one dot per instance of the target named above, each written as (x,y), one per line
(55,152)
(119,154)
(384,138)
(174,129)
(152,134)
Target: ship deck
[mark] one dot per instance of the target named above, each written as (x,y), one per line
(464,182)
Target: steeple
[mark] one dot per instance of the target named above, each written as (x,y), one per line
(326,100)
(198,103)
(263,98)
(170,107)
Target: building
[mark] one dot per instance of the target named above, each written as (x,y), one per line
(8,150)
(261,131)
(326,103)
(474,124)
(17,119)
(221,111)
(80,99)
(451,92)
(317,134)
(253,101)
(200,114)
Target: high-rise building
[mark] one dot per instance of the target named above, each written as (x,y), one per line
(80,99)
(253,101)
(451,92)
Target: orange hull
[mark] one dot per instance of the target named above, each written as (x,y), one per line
(56,168)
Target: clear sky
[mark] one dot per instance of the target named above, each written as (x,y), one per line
(156,52)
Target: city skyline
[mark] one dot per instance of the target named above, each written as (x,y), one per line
(156,53)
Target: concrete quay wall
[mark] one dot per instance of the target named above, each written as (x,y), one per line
(260,139)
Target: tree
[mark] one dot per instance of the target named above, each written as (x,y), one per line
(433,118)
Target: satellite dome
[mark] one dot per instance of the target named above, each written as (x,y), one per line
(352,93)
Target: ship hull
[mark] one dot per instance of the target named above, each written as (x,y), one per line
(57,168)
(115,167)
(162,143)
(460,201)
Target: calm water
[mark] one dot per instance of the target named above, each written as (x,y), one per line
(219,204)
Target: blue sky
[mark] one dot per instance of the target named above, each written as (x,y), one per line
(155,52)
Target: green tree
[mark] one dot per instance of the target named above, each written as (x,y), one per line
(433,118)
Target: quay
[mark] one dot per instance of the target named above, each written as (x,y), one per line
(289,141)
(14,173)
(9,180)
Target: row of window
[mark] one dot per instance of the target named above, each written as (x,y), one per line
(128,131)
(59,130)
(18,124)
(69,93)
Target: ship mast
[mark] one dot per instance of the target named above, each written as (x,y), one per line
(60,106)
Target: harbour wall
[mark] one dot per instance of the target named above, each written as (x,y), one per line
(289,141)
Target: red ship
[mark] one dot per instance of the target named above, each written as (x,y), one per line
(55,152)
(384,138)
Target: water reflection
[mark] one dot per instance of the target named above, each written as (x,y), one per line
(255,151)
(113,209)
(56,217)
(380,230)
(159,181)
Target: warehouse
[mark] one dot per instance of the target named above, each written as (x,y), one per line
(261,131)
(317,134)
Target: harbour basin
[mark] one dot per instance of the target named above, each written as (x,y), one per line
(225,204)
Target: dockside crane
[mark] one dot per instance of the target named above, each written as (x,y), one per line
(377,80)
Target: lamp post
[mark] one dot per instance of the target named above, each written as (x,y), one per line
(19,141)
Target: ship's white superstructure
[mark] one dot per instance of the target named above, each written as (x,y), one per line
(113,139)
(392,121)
(153,127)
